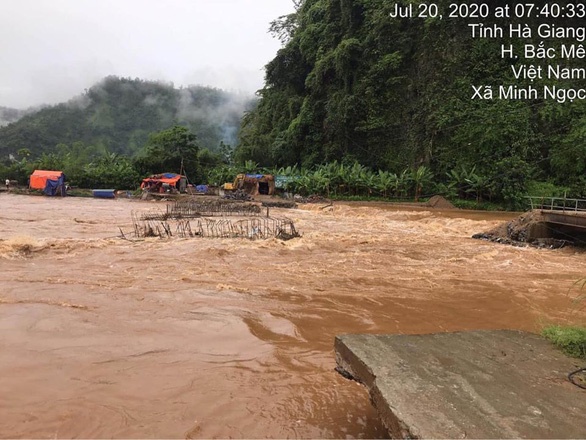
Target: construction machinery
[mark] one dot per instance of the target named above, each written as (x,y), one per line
(253,184)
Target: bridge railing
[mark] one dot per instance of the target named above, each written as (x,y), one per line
(557,204)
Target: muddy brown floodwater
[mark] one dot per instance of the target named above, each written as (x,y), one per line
(202,338)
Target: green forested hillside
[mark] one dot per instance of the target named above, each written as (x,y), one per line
(118,114)
(353,84)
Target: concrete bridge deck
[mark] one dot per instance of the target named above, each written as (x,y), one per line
(565,225)
(483,384)
(567,218)
(561,218)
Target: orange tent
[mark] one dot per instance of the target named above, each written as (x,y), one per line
(38,179)
(174,180)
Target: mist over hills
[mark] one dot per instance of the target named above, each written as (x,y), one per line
(118,114)
(8,115)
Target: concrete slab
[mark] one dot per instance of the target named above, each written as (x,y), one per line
(481,384)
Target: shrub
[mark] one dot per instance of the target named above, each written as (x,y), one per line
(545,189)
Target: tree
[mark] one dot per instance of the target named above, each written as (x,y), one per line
(173,150)
(23,153)
(110,171)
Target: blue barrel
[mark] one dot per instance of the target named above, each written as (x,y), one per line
(104,193)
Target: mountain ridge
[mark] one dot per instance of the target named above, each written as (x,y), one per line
(119,113)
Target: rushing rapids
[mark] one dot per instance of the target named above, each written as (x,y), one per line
(201,338)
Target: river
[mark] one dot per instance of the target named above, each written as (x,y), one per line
(207,338)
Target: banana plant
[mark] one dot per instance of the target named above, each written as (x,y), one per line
(402,183)
(477,185)
(420,177)
(458,179)
(356,177)
(321,181)
(384,181)
(250,167)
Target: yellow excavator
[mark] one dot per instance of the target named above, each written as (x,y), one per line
(253,184)
(236,184)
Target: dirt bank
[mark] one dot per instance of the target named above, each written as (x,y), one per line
(517,233)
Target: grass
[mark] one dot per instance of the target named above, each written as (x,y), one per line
(571,340)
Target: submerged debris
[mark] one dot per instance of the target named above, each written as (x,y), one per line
(238,195)
(211,208)
(215,219)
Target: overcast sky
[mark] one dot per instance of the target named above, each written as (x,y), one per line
(51,50)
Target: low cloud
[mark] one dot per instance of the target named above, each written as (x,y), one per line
(65,46)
